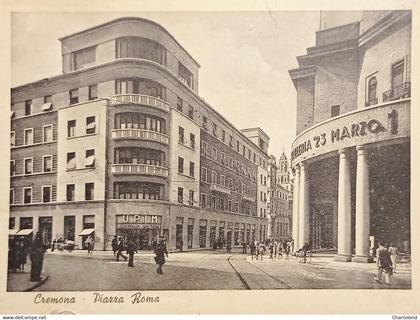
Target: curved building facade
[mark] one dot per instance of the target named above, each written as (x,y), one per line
(351,155)
(121,144)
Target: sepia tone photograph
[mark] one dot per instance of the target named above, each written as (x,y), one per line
(150,153)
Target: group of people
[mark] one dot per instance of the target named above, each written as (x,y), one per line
(386,261)
(275,247)
(130,247)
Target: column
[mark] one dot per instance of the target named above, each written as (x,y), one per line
(362,207)
(295,222)
(303,208)
(344,209)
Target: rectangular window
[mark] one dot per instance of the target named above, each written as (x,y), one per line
(93,92)
(205,123)
(12,167)
(12,138)
(89,191)
(397,74)
(190,112)
(47,103)
(191,198)
(90,158)
(222,180)
(214,153)
(29,136)
(203,174)
(230,162)
(236,207)
(222,157)
(70,192)
(222,204)
(223,135)
(74,96)
(12,197)
(47,163)
(192,141)
(83,58)
(237,146)
(335,111)
(213,202)
(90,125)
(47,133)
(230,184)
(71,128)
(179,104)
(71,160)
(181,137)
(180,195)
(27,195)
(180,165)
(203,200)
(192,169)
(244,151)
(28,162)
(28,107)
(214,129)
(213,178)
(46,193)
(230,205)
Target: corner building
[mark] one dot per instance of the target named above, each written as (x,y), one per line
(121,143)
(351,156)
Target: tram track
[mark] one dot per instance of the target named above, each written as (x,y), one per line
(243,281)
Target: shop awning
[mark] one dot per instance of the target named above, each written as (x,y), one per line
(12,232)
(86,232)
(24,232)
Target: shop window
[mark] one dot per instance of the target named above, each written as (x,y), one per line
(26,223)
(90,125)
(69,227)
(70,192)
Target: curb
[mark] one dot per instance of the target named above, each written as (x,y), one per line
(38,284)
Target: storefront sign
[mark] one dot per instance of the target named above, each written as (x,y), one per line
(138,221)
(137,226)
(361,127)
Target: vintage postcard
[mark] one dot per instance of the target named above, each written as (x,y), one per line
(209,159)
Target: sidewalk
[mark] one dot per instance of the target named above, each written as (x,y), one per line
(20,281)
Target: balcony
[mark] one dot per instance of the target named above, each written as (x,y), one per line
(219,188)
(401,91)
(141,169)
(141,99)
(140,134)
(248,198)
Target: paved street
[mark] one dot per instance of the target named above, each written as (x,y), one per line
(208,270)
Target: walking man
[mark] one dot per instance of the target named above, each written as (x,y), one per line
(384,263)
(252,247)
(160,252)
(37,257)
(393,251)
(131,249)
(243,247)
(114,245)
(120,248)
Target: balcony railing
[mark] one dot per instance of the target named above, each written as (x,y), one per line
(248,198)
(219,188)
(401,91)
(141,99)
(372,102)
(142,169)
(140,134)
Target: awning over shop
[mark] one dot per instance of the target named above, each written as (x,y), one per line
(12,232)
(86,232)
(24,232)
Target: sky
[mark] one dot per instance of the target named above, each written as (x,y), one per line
(244,58)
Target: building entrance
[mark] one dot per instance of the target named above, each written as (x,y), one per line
(322,224)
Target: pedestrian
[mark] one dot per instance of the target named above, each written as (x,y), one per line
(228,247)
(275,247)
(287,249)
(383,262)
(271,248)
(90,243)
(53,245)
(261,250)
(243,247)
(131,249)
(114,244)
(160,252)
(393,251)
(279,250)
(252,247)
(37,257)
(21,254)
(120,248)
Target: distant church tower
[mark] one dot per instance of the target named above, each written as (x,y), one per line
(283,173)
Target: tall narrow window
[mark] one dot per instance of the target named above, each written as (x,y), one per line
(71,128)
(179,104)
(70,192)
(190,112)
(74,96)
(47,103)
(90,125)
(28,107)
(180,195)
(28,165)
(181,135)
(192,165)
(47,134)
(372,92)
(27,195)
(12,167)
(29,136)
(12,198)
(93,92)
(180,165)
(12,138)
(192,141)
(398,74)
(46,194)
(47,163)
(71,160)
(191,198)
(89,191)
